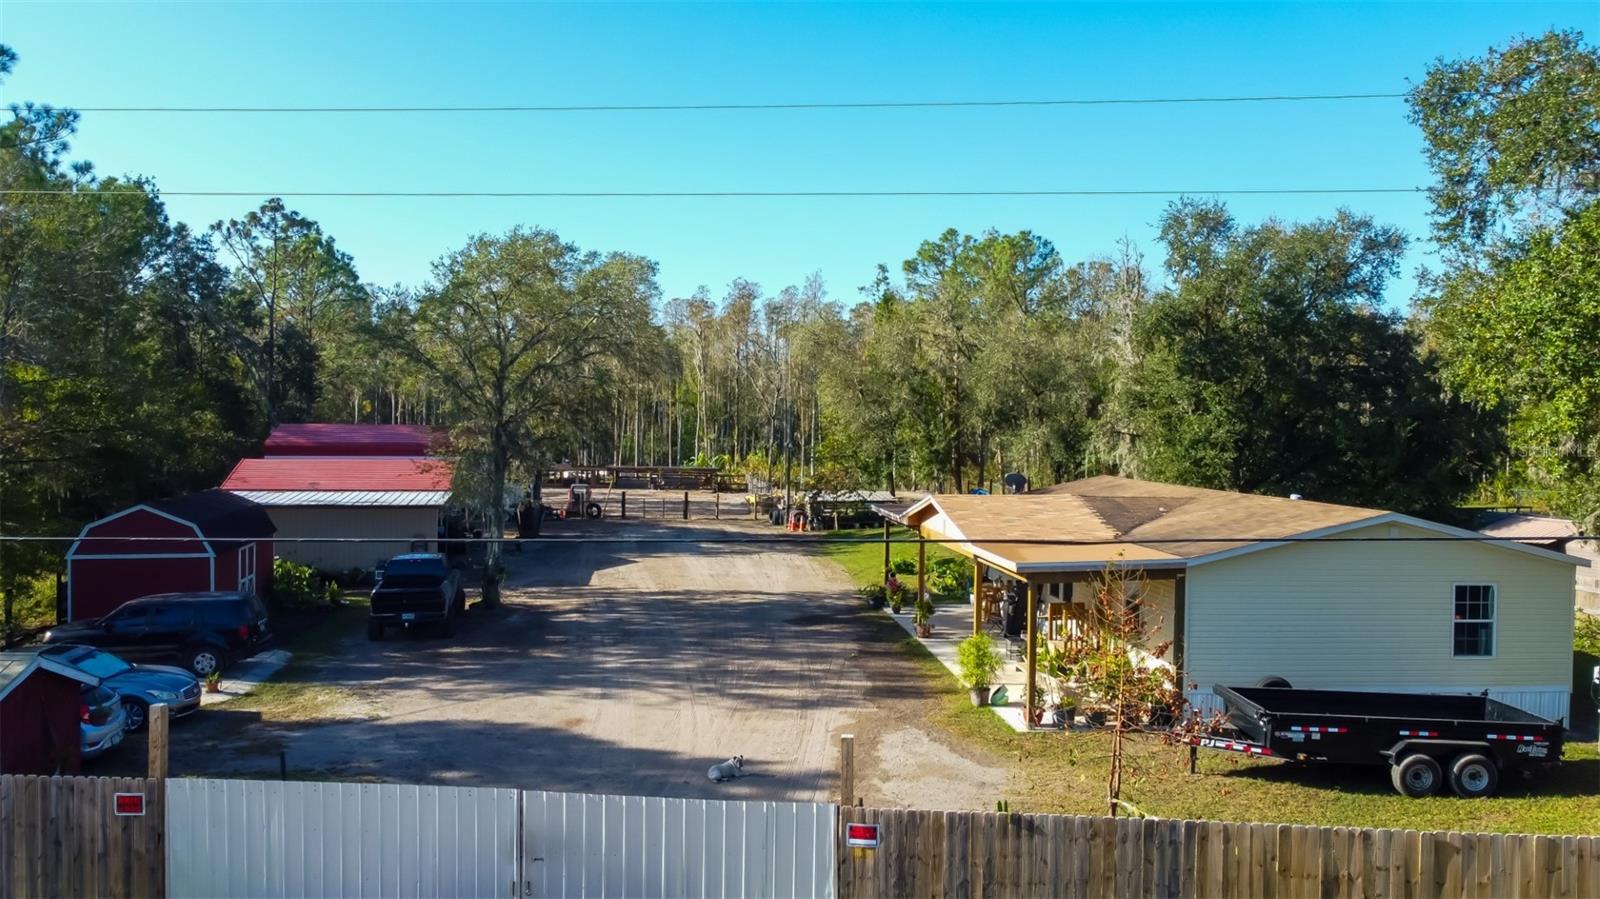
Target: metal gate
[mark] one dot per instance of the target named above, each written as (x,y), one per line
(584,845)
(243,838)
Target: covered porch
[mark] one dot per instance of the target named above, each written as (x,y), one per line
(1035,563)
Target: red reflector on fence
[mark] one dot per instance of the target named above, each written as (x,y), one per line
(861,835)
(130,803)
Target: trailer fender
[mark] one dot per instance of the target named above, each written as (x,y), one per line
(1442,751)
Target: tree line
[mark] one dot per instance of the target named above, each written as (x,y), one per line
(140,357)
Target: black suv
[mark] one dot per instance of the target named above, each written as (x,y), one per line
(203,632)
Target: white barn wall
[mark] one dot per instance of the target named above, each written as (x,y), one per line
(400,524)
(1378,616)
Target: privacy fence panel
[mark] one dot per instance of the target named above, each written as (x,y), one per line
(240,838)
(977,854)
(585,845)
(62,836)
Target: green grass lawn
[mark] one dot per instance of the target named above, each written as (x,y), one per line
(1066,774)
(863,561)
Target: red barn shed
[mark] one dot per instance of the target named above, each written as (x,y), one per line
(226,545)
(350,440)
(39,714)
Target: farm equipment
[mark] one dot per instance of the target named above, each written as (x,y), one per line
(581,502)
(1425,739)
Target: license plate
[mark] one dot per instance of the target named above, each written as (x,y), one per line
(408,616)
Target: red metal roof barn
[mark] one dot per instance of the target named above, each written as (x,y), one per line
(350,440)
(222,542)
(39,714)
(393,502)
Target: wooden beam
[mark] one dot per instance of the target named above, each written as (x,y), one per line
(978,573)
(922,564)
(1179,609)
(887,568)
(157,732)
(847,769)
(1033,653)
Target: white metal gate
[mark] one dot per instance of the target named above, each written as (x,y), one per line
(240,838)
(584,845)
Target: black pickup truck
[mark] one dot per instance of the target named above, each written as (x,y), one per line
(416,589)
(1426,739)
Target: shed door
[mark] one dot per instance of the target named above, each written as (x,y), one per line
(247,569)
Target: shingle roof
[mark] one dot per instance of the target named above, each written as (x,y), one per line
(339,474)
(219,513)
(1140,521)
(315,439)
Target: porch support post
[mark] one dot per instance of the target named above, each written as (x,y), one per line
(1179,625)
(886,567)
(978,571)
(1033,654)
(922,564)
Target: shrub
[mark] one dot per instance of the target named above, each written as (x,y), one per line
(903,566)
(950,578)
(1586,634)
(978,660)
(294,584)
(874,594)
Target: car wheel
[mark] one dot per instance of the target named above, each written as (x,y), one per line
(1416,776)
(138,714)
(461,603)
(204,661)
(374,631)
(592,510)
(1274,681)
(447,627)
(1473,776)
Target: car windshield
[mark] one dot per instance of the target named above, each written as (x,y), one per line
(101,664)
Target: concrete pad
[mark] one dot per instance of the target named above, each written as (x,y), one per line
(247,675)
(951,625)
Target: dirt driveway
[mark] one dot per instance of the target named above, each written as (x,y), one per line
(630,668)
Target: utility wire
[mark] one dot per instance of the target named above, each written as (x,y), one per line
(684,194)
(720,107)
(791,538)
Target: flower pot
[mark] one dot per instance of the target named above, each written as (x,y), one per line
(213,687)
(895,608)
(1097,718)
(980,696)
(924,630)
(1062,717)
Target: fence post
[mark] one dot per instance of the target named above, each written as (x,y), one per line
(157,767)
(716,502)
(685,505)
(624,504)
(847,769)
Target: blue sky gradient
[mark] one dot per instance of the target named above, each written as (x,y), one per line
(133,54)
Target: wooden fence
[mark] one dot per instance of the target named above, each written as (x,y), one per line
(61,836)
(977,854)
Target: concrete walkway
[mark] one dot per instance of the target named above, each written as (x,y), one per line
(247,675)
(951,625)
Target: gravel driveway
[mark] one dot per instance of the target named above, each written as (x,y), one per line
(631,667)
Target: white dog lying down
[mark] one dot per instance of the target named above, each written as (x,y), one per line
(727,770)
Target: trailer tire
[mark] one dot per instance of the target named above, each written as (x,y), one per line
(1474,776)
(592,510)
(1272,680)
(1416,776)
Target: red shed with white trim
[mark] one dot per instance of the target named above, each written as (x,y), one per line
(39,714)
(220,541)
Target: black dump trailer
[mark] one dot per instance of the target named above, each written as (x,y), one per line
(1426,739)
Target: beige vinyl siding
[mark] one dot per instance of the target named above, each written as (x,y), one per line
(402,524)
(1157,609)
(1377,615)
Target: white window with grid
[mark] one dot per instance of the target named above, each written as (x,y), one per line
(247,569)
(1474,621)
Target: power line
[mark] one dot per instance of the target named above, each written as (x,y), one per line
(742,107)
(814,540)
(723,194)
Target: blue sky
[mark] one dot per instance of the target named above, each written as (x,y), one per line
(122,54)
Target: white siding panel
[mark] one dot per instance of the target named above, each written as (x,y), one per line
(231,838)
(631,846)
(1376,616)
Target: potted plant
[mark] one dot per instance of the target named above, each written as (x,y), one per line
(979,662)
(897,594)
(874,594)
(214,682)
(922,616)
